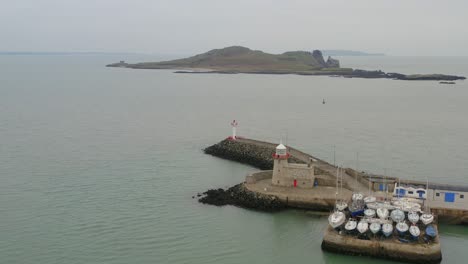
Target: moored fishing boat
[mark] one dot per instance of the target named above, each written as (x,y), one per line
(397,215)
(387,229)
(413,217)
(402,228)
(375,227)
(356,208)
(336,219)
(370,199)
(414,231)
(426,218)
(369,213)
(362,226)
(357,197)
(341,205)
(351,225)
(377,205)
(382,212)
(431,231)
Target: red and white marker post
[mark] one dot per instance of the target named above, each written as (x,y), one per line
(234,125)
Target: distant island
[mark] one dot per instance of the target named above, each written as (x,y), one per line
(237,59)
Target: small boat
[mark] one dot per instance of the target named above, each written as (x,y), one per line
(387,229)
(336,219)
(369,213)
(413,217)
(357,206)
(407,205)
(362,226)
(430,231)
(401,227)
(414,231)
(370,199)
(382,212)
(351,225)
(375,227)
(341,205)
(357,197)
(397,215)
(426,218)
(377,205)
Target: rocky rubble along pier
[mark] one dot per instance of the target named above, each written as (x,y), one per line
(255,155)
(238,195)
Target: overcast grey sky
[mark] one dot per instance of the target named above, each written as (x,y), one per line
(396,27)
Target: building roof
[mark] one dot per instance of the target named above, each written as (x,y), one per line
(437,186)
(280,146)
(448,187)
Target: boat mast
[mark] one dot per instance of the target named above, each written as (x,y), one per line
(341,189)
(336,190)
(357,167)
(398,194)
(427,189)
(370,183)
(385,181)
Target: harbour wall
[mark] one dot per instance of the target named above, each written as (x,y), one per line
(426,253)
(259,154)
(258,176)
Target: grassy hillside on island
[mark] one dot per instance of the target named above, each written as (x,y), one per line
(238,59)
(241,59)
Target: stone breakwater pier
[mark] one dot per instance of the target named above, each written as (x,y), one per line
(290,178)
(316,190)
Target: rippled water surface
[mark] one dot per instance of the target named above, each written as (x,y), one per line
(99,165)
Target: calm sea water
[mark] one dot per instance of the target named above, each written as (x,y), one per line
(99,165)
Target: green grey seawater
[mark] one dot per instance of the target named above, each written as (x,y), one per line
(99,165)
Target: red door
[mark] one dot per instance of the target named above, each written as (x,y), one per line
(295,183)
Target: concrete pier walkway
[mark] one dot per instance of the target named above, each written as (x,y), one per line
(348,180)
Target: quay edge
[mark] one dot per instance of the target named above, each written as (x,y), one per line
(385,249)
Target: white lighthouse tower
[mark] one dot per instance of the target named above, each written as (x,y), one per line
(234,125)
(291,174)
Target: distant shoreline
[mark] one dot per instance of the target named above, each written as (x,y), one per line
(364,74)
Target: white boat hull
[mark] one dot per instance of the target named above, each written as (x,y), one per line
(369,213)
(397,215)
(414,231)
(413,217)
(402,227)
(351,225)
(341,205)
(382,212)
(336,219)
(362,227)
(375,227)
(426,218)
(387,229)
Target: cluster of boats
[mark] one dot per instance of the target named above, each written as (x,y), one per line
(367,214)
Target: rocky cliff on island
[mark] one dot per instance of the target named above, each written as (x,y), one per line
(236,59)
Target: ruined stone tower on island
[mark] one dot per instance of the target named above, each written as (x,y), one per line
(291,174)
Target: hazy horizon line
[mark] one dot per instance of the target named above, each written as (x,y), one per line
(32,52)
